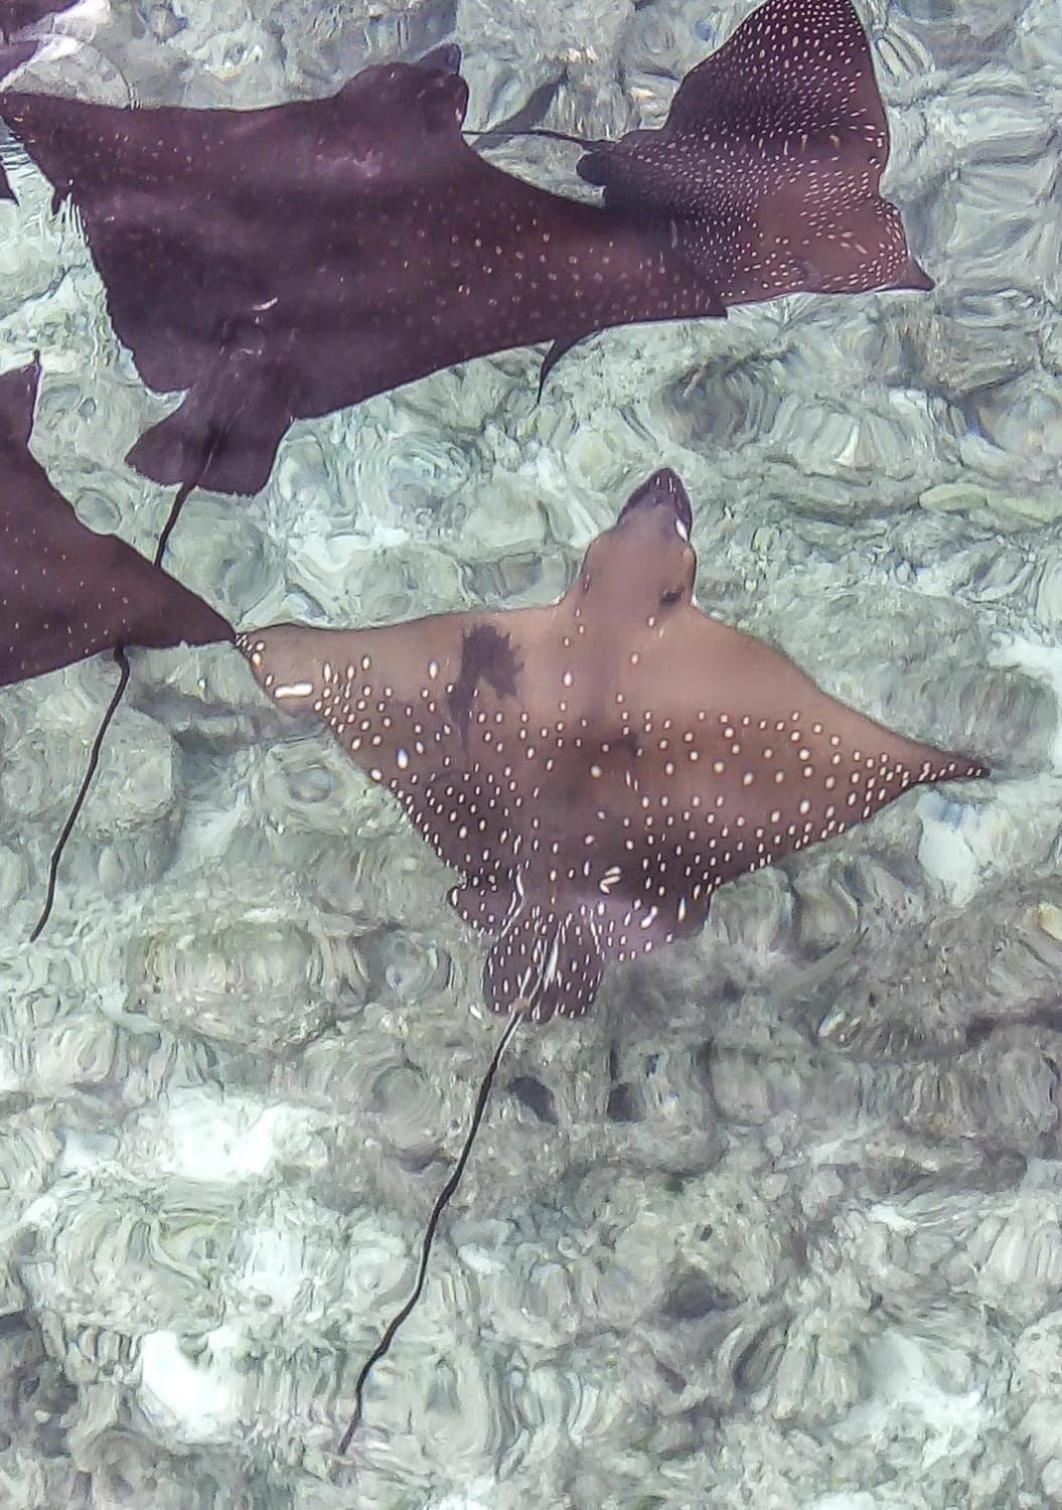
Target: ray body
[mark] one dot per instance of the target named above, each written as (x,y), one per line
(769,164)
(596,769)
(290,261)
(67,592)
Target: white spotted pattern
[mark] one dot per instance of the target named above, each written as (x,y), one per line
(375,246)
(769,163)
(644,756)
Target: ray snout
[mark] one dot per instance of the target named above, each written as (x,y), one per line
(664,489)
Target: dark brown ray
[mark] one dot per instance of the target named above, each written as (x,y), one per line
(769,164)
(595,770)
(67,592)
(286,262)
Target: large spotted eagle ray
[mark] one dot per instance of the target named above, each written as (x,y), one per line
(594,770)
(290,261)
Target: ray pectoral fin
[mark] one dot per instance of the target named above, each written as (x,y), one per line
(911,275)
(66,592)
(226,432)
(545,964)
(862,248)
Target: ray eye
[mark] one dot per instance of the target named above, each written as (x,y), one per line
(586,584)
(672,595)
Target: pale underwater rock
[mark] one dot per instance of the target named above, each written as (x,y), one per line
(515,57)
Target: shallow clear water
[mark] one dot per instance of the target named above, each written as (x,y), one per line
(780,1223)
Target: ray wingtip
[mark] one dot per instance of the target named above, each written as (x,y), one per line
(914,276)
(956,767)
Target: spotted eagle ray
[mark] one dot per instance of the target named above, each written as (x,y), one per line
(286,262)
(290,261)
(594,770)
(767,171)
(66,592)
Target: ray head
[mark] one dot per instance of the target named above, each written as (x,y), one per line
(644,566)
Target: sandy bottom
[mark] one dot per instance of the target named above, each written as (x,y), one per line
(780,1224)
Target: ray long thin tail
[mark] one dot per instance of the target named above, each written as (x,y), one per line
(95,753)
(443,1199)
(505,134)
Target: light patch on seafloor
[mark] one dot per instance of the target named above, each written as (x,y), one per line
(952,843)
(10,1079)
(275,1265)
(964,843)
(197,1398)
(889,1217)
(95,12)
(378,1262)
(861,1499)
(204,1135)
(460,1502)
(905,1390)
(83,1150)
